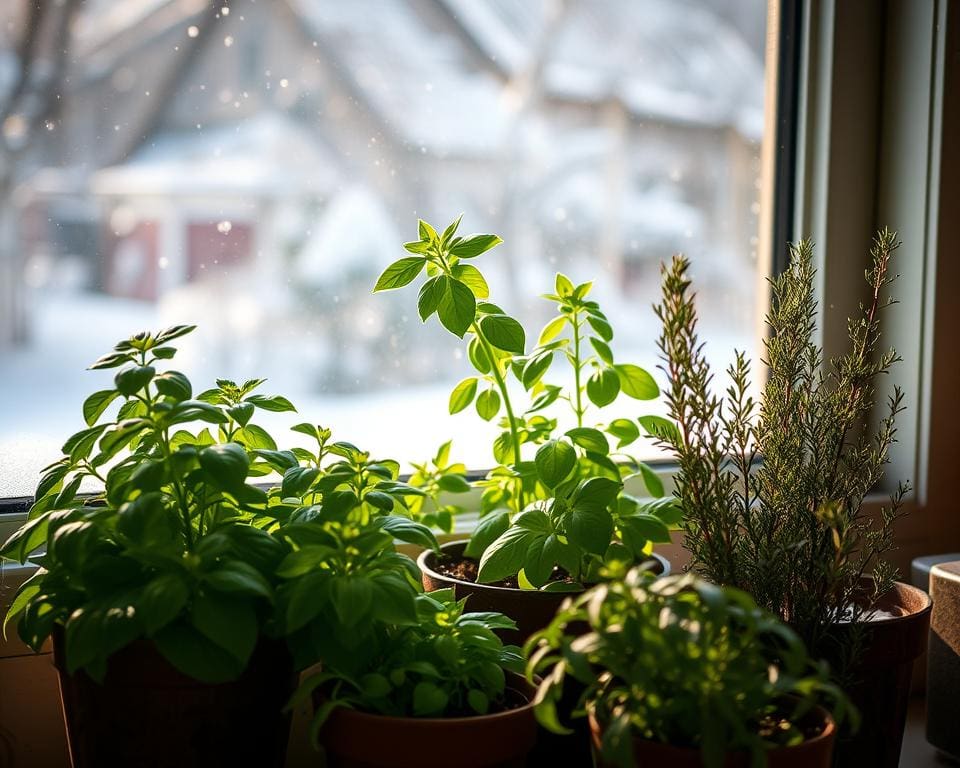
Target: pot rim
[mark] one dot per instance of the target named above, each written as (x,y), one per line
(424,556)
(828,733)
(887,621)
(520,686)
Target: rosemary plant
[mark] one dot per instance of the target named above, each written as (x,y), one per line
(790,529)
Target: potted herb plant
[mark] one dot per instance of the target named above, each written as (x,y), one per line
(772,492)
(554,507)
(679,672)
(436,687)
(158,590)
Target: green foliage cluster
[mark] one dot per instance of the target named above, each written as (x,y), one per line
(448,663)
(678,661)
(565,506)
(790,530)
(179,546)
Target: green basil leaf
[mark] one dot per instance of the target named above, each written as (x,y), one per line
(636,382)
(226,464)
(473,245)
(430,294)
(97,403)
(470,276)
(229,622)
(625,430)
(490,528)
(504,557)
(504,333)
(174,384)
(589,527)
(131,380)
(554,461)
(589,439)
(402,272)
(463,394)
(457,307)
(603,386)
(488,404)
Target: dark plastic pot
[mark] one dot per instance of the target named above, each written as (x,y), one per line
(813,753)
(531,609)
(881,678)
(148,714)
(355,739)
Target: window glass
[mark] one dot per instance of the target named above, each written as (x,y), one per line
(251,167)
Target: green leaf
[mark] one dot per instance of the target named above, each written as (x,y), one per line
(651,480)
(79,445)
(589,527)
(602,350)
(457,307)
(478,356)
(552,329)
(196,656)
(535,368)
(451,230)
(602,327)
(479,701)
(409,531)
(463,394)
(274,403)
(394,599)
(563,285)
(174,384)
(402,272)
(297,480)
(488,404)
(596,493)
(226,464)
(352,598)
(554,462)
(255,437)
(504,333)
(453,483)
(97,403)
(238,576)
(637,530)
(131,380)
(504,557)
(603,386)
(636,382)
(430,294)
(160,601)
(542,555)
(426,231)
(231,623)
(241,413)
(488,530)
(589,439)
(112,360)
(173,332)
(428,699)
(625,430)
(473,245)
(470,276)
(661,428)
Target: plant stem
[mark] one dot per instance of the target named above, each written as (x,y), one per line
(578,408)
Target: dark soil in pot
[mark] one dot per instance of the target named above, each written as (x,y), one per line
(531,609)
(148,714)
(355,739)
(880,680)
(815,752)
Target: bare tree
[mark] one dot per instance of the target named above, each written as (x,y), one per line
(42,29)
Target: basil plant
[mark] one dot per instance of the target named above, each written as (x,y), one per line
(555,498)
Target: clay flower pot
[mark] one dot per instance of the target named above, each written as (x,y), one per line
(813,753)
(354,739)
(881,678)
(147,713)
(532,609)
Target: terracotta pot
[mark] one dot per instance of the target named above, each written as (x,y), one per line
(355,739)
(531,609)
(881,678)
(148,714)
(813,753)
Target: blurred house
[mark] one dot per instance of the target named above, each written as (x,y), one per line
(197,139)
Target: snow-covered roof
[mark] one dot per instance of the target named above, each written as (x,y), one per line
(267,154)
(664,59)
(414,73)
